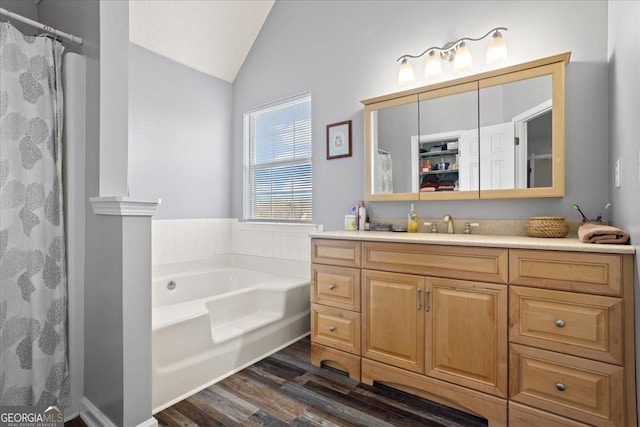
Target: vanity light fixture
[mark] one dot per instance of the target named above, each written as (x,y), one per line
(458,52)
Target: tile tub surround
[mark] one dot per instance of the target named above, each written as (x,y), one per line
(180,240)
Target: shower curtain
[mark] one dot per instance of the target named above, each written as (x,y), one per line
(33,288)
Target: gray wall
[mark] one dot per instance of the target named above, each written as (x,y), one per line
(624,128)
(345,51)
(179,131)
(27,9)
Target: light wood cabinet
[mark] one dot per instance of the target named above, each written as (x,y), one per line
(572,347)
(582,325)
(336,286)
(467,334)
(393,319)
(335,308)
(581,389)
(589,273)
(547,334)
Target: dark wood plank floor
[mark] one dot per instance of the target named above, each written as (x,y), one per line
(286,390)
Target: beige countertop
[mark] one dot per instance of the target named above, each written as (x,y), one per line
(512,242)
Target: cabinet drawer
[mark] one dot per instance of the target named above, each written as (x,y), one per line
(455,262)
(335,328)
(585,390)
(336,286)
(524,416)
(579,324)
(569,271)
(346,253)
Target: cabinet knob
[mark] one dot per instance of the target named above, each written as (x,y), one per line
(332,328)
(332,287)
(560,323)
(561,387)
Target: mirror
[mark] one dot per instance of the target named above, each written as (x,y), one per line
(495,135)
(522,134)
(445,160)
(389,128)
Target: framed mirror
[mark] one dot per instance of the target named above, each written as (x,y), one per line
(522,134)
(389,127)
(495,135)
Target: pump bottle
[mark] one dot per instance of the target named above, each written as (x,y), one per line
(412,224)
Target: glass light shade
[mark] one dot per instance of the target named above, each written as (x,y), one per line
(497,51)
(433,67)
(462,61)
(405,75)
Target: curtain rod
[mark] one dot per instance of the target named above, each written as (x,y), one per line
(65,36)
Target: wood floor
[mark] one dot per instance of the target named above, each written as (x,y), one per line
(286,390)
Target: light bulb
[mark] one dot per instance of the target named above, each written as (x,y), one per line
(433,67)
(497,51)
(405,75)
(462,61)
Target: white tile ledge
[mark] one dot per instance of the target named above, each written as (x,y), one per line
(512,242)
(123,206)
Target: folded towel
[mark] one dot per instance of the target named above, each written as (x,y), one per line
(597,233)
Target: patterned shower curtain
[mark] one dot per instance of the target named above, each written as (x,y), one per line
(33,283)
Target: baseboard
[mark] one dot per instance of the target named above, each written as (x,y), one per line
(93,417)
(151,422)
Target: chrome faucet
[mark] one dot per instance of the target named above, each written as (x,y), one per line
(449,220)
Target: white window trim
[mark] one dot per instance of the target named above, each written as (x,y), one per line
(246,209)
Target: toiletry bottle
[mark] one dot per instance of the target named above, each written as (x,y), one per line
(362,216)
(412,225)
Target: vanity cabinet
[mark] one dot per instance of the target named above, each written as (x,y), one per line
(335,305)
(520,337)
(393,319)
(453,330)
(467,343)
(449,329)
(569,334)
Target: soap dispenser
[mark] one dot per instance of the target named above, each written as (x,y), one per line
(412,224)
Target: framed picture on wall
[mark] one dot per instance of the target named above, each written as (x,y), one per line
(339,140)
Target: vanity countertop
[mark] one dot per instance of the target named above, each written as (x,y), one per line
(511,242)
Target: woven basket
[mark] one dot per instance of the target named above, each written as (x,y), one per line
(547,226)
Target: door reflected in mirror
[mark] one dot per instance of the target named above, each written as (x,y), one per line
(516,138)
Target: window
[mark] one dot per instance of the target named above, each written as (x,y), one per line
(277,152)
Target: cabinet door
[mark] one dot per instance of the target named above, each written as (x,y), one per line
(467,334)
(393,319)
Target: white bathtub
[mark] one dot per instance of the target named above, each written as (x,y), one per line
(220,318)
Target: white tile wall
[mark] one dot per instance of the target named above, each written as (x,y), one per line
(186,239)
(282,241)
(182,240)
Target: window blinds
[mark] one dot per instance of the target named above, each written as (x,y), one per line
(278,177)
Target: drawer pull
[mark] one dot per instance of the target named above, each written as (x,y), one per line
(332,287)
(561,387)
(560,323)
(333,329)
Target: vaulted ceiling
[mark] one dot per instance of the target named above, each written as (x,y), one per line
(212,36)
